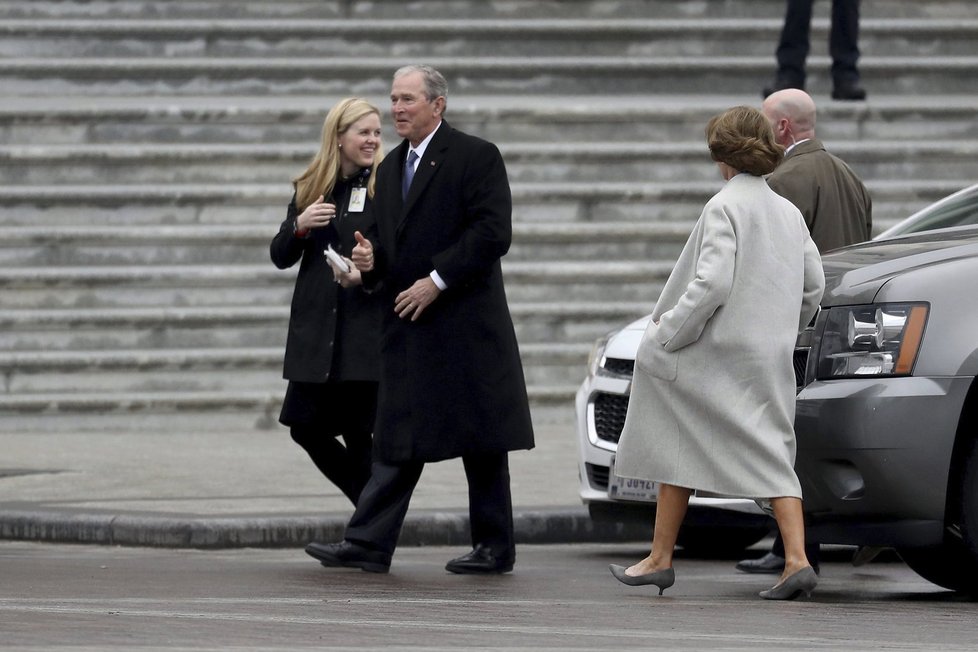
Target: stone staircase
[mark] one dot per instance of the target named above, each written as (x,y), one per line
(146,149)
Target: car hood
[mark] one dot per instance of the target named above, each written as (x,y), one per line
(855,274)
(624,343)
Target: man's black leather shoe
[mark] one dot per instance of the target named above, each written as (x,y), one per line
(350,555)
(848,90)
(773,564)
(769,563)
(780,83)
(480,561)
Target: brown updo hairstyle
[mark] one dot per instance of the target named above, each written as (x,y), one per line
(743,138)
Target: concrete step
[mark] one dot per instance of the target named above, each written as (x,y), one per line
(528,162)
(236,163)
(435,9)
(252,369)
(127,371)
(214,333)
(194,285)
(143,412)
(62,330)
(566,202)
(484,37)
(543,75)
(39,246)
(506,119)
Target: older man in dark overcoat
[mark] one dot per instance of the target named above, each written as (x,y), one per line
(452,383)
(838,211)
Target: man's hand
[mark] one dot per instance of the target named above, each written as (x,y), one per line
(412,302)
(363,253)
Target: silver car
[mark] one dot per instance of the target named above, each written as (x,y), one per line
(713,524)
(887,420)
(958,209)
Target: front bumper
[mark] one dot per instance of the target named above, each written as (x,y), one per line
(874,456)
(595,453)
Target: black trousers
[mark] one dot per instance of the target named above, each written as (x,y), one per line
(380,512)
(843,41)
(319,414)
(811,550)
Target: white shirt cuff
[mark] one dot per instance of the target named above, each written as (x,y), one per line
(438,280)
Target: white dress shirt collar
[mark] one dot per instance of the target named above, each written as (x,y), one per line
(423,145)
(795,144)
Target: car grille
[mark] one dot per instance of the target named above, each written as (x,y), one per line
(597,476)
(609,415)
(610,409)
(619,366)
(801,364)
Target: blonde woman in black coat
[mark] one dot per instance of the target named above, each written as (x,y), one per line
(332,351)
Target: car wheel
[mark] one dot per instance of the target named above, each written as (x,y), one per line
(968,502)
(719,541)
(954,564)
(950,565)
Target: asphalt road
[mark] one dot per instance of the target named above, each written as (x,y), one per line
(561,597)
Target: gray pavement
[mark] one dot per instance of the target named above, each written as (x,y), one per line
(559,597)
(255,488)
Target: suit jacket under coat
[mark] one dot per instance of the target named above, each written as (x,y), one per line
(451,382)
(834,202)
(334,332)
(713,396)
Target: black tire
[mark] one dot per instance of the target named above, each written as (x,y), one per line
(968,502)
(719,541)
(954,564)
(950,565)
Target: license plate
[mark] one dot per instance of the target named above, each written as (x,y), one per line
(620,488)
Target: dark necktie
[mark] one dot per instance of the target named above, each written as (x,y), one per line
(408,173)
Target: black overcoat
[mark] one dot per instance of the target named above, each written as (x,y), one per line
(451,382)
(334,332)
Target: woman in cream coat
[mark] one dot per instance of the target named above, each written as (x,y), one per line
(713,397)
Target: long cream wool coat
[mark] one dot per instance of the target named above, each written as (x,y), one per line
(713,397)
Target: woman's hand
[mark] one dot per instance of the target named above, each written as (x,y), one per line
(317,214)
(346,279)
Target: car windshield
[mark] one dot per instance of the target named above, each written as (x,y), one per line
(957,210)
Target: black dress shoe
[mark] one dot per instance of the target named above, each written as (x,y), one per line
(780,83)
(350,555)
(848,90)
(769,563)
(480,561)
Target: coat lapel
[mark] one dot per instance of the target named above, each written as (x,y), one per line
(428,166)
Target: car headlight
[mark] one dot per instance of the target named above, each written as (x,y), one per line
(595,359)
(872,340)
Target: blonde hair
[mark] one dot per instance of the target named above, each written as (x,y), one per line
(320,177)
(743,138)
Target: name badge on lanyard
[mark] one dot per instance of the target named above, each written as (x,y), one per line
(358,199)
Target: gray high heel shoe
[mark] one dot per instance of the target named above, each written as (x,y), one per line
(803,581)
(662,579)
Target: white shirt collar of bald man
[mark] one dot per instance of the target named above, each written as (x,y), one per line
(795,144)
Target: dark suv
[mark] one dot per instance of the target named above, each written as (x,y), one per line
(887,418)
